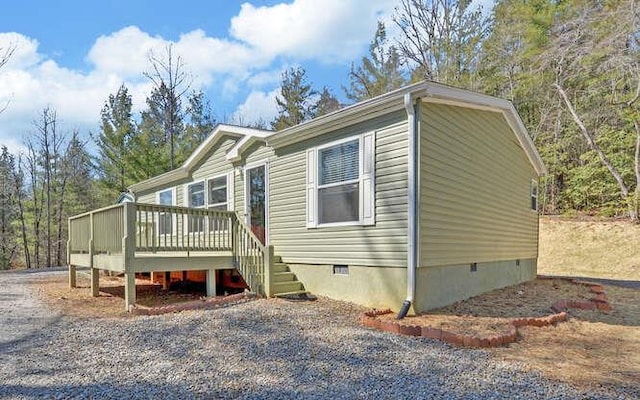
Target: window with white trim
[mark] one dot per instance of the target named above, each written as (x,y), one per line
(217,193)
(195,199)
(165,223)
(217,200)
(534,195)
(340,187)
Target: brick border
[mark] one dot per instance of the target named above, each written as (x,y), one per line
(599,302)
(206,304)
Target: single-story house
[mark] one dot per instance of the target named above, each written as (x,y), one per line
(411,200)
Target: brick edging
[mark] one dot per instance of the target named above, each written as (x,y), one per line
(206,304)
(599,302)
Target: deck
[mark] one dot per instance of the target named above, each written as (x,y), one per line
(133,237)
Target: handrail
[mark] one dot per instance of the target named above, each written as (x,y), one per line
(252,259)
(137,227)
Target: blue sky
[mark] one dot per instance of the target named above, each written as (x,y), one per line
(72,54)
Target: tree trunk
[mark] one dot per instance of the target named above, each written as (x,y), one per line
(624,190)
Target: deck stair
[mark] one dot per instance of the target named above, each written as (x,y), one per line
(285,283)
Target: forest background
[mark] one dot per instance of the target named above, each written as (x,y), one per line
(570,67)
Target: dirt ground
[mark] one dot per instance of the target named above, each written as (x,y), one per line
(592,348)
(110,303)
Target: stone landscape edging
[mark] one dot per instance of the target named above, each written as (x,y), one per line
(599,302)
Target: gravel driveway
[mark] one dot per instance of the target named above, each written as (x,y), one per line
(261,349)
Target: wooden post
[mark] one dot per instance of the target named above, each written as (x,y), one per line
(211,282)
(95,282)
(128,253)
(129,290)
(72,268)
(268,267)
(72,276)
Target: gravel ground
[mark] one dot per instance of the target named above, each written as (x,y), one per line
(257,350)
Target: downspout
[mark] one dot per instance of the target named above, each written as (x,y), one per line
(412,202)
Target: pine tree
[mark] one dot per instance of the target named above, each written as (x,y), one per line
(117,132)
(295,102)
(378,73)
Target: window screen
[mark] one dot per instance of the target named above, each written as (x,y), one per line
(339,186)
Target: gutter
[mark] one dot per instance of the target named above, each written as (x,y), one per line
(412,202)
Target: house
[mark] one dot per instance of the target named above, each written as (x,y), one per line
(411,200)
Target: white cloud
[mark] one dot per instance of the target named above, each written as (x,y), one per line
(258,106)
(332,31)
(262,41)
(125,52)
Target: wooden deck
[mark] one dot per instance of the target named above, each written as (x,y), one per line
(134,237)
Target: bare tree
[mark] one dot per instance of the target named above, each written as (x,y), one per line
(170,83)
(5,55)
(595,55)
(441,38)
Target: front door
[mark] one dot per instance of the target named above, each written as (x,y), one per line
(256,200)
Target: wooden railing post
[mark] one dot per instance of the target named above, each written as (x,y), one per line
(128,253)
(95,277)
(72,268)
(268,268)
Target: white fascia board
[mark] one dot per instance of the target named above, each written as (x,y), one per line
(235,154)
(183,171)
(367,109)
(219,131)
(160,180)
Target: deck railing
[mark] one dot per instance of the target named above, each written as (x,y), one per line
(128,228)
(251,258)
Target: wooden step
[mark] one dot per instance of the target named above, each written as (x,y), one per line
(294,293)
(283,277)
(286,287)
(277,259)
(280,267)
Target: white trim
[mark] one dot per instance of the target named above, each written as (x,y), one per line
(186,204)
(365,181)
(534,184)
(247,167)
(184,171)
(173,195)
(208,191)
(174,220)
(394,101)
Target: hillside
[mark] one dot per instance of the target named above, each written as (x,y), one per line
(589,248)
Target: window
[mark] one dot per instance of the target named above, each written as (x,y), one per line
(340,187)
(218,193)
(217,201)
(534,195)
(339,183)
(165,220)
(195,199)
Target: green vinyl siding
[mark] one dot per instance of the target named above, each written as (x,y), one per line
(383,244)
(474,195)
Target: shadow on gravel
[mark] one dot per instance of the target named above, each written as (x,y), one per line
(32,339)
(111,390)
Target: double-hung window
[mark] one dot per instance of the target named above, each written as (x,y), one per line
(534,195)
(217,200)
(165,220)
(218,193)
(340,187)
(339,182)
(195,199)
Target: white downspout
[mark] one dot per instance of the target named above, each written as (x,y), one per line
(412,202)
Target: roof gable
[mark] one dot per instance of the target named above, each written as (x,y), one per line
(184,171)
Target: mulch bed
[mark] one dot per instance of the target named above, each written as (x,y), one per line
(492,319)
